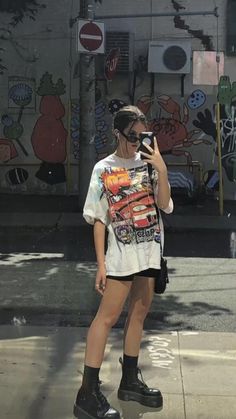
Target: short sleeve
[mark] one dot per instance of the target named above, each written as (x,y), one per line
(169,209)
(96,205)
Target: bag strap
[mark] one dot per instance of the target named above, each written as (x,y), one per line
(150,172)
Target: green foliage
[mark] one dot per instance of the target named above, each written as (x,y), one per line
(226,91)
(47,87)
(20,9)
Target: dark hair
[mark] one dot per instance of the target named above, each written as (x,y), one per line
(126,115)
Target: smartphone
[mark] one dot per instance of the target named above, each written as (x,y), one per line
(146,138)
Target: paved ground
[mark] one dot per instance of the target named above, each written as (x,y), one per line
(47,282)
(43,289)
(40,370)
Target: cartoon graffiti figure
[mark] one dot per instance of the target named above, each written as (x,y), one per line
(49,135)
(16,176)
(206,122)
(171,132)
(21,95)
(196,99)
(144,103)
(7,150)
(226,91)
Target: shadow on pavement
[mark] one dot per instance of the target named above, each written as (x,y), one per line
(76,243)
(163,315)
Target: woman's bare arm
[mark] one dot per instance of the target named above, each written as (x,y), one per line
(99,242)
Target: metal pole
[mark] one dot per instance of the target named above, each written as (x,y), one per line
(201,13)
(87,154)
(221,198)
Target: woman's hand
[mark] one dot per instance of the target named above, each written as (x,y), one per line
(101,279)
(155,158)
(163,189)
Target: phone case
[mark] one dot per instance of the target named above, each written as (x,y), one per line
(148,138)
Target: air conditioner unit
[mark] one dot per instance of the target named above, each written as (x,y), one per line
(171,56)
(125,42)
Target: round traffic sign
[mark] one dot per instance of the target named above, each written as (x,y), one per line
(90,36)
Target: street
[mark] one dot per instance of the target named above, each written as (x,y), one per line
(76,243)
(47,278)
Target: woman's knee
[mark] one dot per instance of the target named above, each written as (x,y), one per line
(138,315)
(108,320)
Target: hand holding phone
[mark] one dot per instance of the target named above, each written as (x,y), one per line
(146,138)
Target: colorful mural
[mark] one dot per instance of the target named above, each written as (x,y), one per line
(192,123)
(211,181)
(49,134)
(74,127)
(101,126)
(172,132)
(206,122)
(178,124)
(20,96)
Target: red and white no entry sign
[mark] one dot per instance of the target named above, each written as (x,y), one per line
(90,36)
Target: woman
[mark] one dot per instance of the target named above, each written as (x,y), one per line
(121,198)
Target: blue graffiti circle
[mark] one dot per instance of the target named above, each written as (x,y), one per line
(21,94)
(196,99)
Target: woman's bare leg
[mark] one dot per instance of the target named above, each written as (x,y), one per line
(108,313)
(141,296)
(131,387)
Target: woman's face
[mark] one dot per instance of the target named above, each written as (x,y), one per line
(126,148)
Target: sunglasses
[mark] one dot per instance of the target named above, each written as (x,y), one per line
(131,138)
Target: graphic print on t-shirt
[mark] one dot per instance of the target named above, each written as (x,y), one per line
(131,204)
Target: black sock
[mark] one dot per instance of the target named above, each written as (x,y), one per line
(130,361)
(90,377)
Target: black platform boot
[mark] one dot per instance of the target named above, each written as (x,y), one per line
(132,388)
(90,402)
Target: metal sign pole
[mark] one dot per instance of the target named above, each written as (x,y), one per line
(221,198)
(87,152)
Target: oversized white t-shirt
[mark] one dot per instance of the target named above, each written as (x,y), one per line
(121,196)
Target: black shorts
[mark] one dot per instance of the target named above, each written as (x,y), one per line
(149,273)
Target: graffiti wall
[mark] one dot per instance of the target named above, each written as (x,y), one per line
(35,157)
(185,128)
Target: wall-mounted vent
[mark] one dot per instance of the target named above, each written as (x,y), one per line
(169,56)
(231,28)
(124,41)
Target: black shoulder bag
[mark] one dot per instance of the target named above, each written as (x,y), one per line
(162,278)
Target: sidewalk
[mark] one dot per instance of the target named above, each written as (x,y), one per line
(40,366)
(40,370)
(63,211)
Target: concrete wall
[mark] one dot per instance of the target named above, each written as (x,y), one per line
(40,97)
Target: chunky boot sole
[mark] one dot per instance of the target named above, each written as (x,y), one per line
(149,401)
(81,414)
